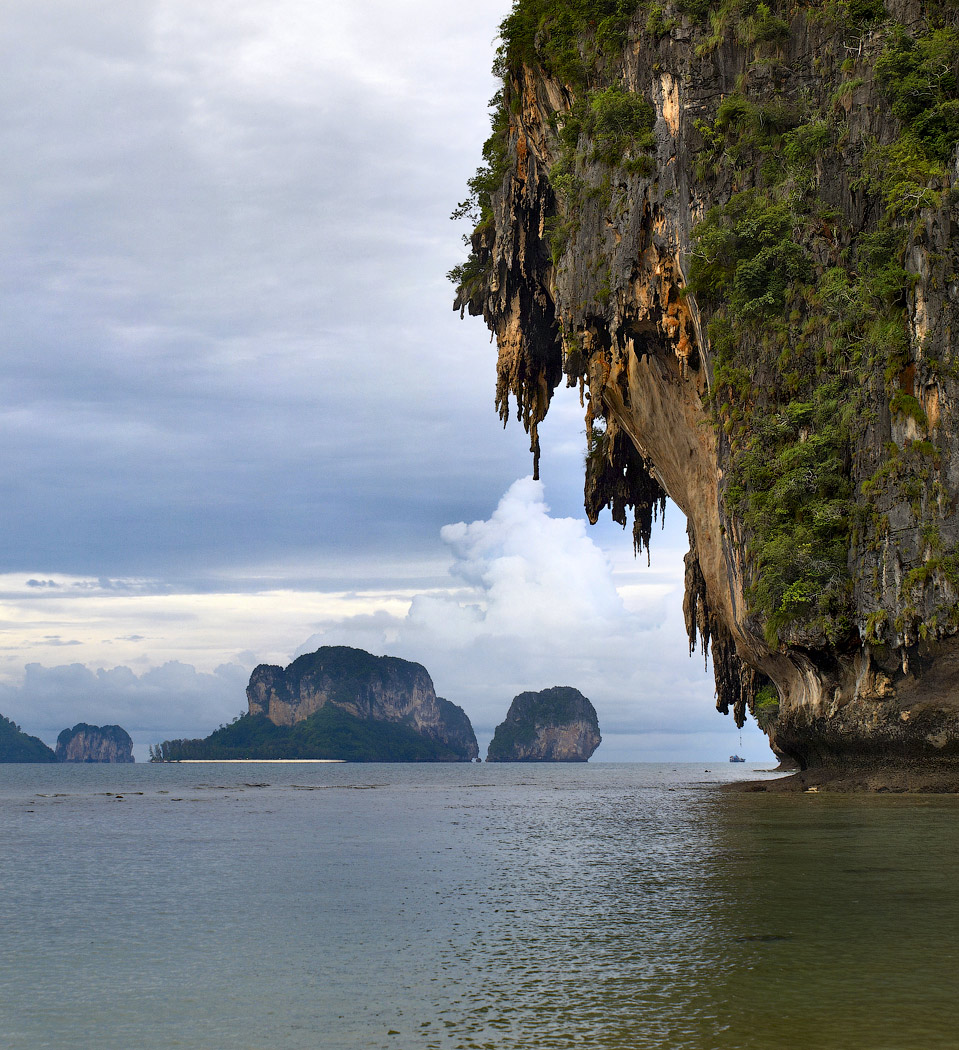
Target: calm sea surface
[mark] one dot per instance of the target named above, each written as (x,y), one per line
(352,907)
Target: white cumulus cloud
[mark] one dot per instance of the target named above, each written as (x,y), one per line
(537,605)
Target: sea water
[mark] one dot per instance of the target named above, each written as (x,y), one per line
(522,907)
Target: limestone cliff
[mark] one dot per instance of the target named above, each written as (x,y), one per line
(553,725)
(86,743)
(377,688)
(731,226)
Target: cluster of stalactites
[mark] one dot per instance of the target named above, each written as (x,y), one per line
(695,604)
(529,368)
(618,477)
(515,297)
(519,309)
(736,682)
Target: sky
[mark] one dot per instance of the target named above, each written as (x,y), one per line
(241,418)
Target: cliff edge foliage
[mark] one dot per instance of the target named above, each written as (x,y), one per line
(730,225)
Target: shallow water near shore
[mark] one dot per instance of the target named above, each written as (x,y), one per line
(358,907)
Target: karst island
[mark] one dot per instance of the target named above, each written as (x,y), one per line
(558,724)
(337,703)
(731,229)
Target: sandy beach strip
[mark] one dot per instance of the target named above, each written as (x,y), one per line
(258,761)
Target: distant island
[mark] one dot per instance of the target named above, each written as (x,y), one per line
(553,725)
(82,743)
(17,746)
(86,743)
(342,703)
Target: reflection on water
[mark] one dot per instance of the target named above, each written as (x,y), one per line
(516,908)
(864,891)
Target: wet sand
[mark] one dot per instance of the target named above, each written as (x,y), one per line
(894,778)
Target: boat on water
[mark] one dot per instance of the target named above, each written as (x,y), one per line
(736,758)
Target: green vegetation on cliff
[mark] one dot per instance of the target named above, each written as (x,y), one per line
(347,675)
(802,265)
(810,323)
(17,746)
(565,38)
(328,733)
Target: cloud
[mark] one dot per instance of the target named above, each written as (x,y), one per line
(235,383)
(227,238)
(535,604)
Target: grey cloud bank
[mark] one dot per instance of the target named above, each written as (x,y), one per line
(226,320)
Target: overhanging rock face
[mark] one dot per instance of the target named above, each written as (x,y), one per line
(735,237)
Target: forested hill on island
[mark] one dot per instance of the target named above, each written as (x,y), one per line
(17,746)
(339,703)
(731,226)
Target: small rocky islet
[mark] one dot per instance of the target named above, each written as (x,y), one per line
(87,743)
(554,725)
(344,703)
